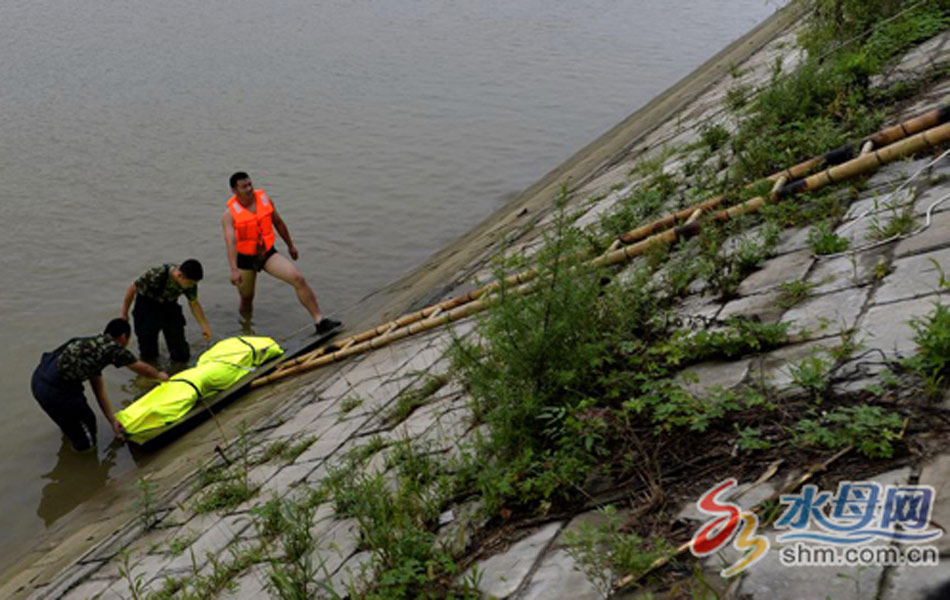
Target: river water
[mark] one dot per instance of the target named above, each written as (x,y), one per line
(383,130)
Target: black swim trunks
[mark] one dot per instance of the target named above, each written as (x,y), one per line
(253,262)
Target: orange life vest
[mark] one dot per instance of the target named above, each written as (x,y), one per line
(254,230)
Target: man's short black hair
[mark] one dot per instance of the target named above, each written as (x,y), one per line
(117,328)
(192,269)
(239,176)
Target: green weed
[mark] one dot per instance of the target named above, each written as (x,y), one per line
(870,429)
(146,502)
(350,403)
(605,552)
(794,292)
(413,398)
(825,241)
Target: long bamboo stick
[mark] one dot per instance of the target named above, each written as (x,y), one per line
(888,135)
(884,137)
(857,166)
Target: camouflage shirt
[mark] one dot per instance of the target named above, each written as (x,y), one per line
(85,357)
(156,285)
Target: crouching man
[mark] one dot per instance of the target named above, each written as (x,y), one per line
(57,381)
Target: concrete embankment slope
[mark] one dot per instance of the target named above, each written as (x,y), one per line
(78,557)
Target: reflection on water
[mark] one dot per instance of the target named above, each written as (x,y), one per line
(246,323)
(74,479)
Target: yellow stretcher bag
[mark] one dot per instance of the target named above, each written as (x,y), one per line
(220,366)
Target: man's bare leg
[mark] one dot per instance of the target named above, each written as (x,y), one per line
(283,269)
(246,291)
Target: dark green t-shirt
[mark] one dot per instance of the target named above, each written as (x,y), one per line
(85,357)
(159,285)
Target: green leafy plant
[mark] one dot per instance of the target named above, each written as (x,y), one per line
(812,375)
(932,336)
(750,440)
(794,292)
(870,429)
(134,581)
(350,403)
(411,399)
(146,502)
(605,553)
(825,241)
(177,545)
(899,221)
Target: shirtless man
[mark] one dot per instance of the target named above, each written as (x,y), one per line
(249,222)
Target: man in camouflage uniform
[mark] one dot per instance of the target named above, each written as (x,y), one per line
(156,309)
(57,381)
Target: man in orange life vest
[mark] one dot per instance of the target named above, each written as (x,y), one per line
(249,223)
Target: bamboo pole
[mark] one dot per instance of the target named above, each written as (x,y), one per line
(884,137)
(454,309)
(888,135)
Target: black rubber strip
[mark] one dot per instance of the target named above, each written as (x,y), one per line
(193,386)
(687,231)
(790,189)
(251,346)
(839,155)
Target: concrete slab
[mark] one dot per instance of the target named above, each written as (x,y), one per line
(876,204)
(858,232)
(558,577)
(337,544)
(918,583)
(828,313)
(937,474)
(212,541)
(932,238)
(777,367)
(251,585)
(763,307)
(776,271)
(504,573)
(447,429)
(913,277)
(351,578)
(714,374)
(697,306)
(93,588)
(833,274)
(896,173)
(299,422)
(287,477)
(792,240)
(928,197)
(331,439)
(769,579)
(887,327)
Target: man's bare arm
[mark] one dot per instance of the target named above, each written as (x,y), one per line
(127,301)
(146,370)
(284,232)
(99,390)
(199,314)
(227,224)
